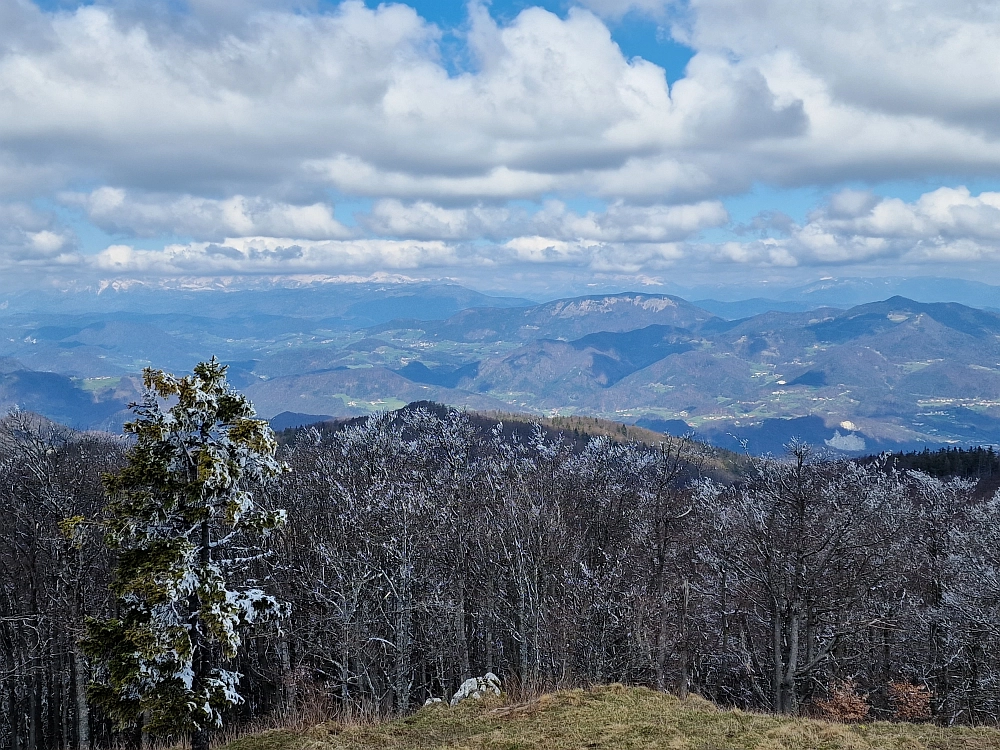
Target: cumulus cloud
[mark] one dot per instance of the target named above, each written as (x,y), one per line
(619,222)
(622,239)
(943,225)
(257,255)
(947,225)
(115,210)
(919,58)
(426,220)
(635,224)
(616,9)
(359,100)
(598,257)
(221,124)
(30,236)
(946,213)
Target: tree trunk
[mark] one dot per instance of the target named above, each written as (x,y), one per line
(486,618)
(344,648)
(661,635)
(82,709)
(461,639)
(777,662)
(200,739)
(522,621)
(36,739)
(464,666)
(404,638)
(723,616)
(15,717)
(287,679)
(202,657)
(53,737)
(684,657)
(789,699)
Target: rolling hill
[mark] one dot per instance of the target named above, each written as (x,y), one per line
(891,374)
(568,318)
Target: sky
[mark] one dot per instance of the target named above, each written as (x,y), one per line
(513,146)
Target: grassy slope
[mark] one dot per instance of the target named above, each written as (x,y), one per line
(615,717)
(718,461)
(588,426)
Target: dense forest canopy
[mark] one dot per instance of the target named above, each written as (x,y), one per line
(979,463)
(427,545)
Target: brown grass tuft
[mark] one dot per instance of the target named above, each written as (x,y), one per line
(910,702)
(843,703)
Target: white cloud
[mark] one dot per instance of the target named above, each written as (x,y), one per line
(917,58)
(942,226)
(224,123)
(616,9)
(426,220)
(618,223)
(850,203)
(947,225)
(621,239)
(257,255)
(46,243)
(598,257)
(30,237)
(548,250)
(359,100)
(115,210)
(634,224)
(947,213)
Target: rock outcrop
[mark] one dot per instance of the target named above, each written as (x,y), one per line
(477,687)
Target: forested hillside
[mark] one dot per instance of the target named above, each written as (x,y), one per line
(891,375)
(423,547)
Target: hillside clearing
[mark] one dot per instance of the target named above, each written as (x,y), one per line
(615,717)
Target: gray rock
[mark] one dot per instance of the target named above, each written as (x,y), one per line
(477,687)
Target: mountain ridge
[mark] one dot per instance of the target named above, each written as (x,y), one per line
(902,373)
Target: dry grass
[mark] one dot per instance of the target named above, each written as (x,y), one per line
(721,461)
(614,717)
(617,431)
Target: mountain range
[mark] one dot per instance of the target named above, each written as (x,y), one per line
(888,374)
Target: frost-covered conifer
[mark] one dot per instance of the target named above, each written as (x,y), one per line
(180,517)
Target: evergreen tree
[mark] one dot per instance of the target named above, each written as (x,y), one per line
(181,517)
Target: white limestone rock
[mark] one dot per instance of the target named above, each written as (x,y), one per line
(432,701)
(477,687)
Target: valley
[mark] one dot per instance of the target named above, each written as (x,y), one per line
(891,374)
